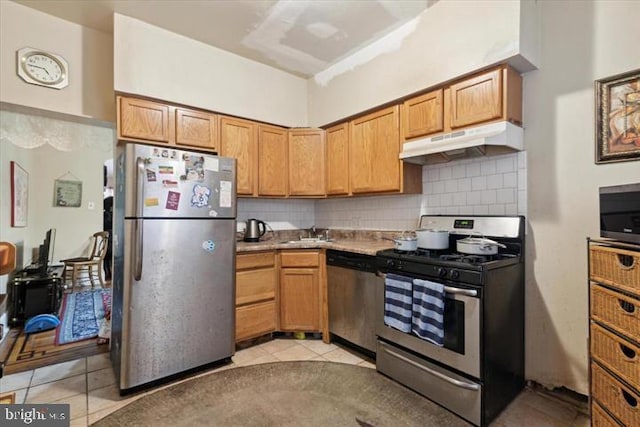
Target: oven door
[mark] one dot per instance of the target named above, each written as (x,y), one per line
(461,349)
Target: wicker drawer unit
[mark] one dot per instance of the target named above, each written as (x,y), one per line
(617,354)
(614,333)
(616,267)
(618,399)
(600,418)
(616,311)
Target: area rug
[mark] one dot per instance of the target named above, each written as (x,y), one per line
(81,315)
(285,394)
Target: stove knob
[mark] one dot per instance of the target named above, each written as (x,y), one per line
(391,263)
(442,272)
(455,274)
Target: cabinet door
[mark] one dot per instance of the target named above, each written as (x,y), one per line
(374,165)
(306,162)
(196,129)
(142,119)
(338,159)
(272,161)
(422,115)
(239,139)
(299,299)
(476,99)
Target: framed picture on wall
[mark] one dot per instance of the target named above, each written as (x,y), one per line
(67,193)
(618,118)
(19,195)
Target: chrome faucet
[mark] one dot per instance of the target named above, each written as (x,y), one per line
(312,231)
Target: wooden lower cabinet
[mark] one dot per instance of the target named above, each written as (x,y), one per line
(302,297)
(256,284)
(614,333)
(255,319)
(299,299)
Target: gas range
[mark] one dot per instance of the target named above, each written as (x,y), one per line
(479,369)
(454,266)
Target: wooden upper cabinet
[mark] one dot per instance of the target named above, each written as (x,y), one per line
(423,115)
(239,139)
(272,161)
(374,165)
(338,159)
(475,100)
(196,129)
(142,119)
(307,162)
(490,96)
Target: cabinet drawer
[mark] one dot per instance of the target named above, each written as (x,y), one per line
(617,354)
(615,267)
(255,285)
(618,311)
(255,320)
(299,259)
(620,400)
(255,260)
(599,418)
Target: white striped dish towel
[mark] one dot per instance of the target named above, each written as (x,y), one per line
(428,311)
(398,302)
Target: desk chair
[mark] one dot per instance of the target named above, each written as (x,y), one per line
(91,264)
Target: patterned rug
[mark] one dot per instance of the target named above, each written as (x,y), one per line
(81,315)
(290,394)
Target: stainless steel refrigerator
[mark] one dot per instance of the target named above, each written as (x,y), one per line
(174,263)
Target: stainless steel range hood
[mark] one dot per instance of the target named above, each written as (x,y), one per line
(494,138)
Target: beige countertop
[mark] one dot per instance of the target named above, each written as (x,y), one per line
(362,246)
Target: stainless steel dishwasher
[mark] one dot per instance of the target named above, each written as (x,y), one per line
(352,283)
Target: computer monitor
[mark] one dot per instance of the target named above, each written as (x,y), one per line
(45,252)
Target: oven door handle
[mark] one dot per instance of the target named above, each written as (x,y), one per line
(453,381)
(447,289)
(467,292)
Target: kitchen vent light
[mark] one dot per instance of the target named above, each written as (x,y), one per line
(494,138)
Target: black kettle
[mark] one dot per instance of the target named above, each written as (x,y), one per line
(255,229)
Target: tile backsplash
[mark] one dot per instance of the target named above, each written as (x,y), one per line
(494,185)
(278,213)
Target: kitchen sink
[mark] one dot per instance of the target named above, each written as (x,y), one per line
(306,240)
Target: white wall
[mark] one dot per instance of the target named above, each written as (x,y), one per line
(86,149)
(581,42)
(157,63)
(451,38)
(88,52)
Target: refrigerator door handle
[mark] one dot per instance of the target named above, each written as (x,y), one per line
(139,187)
(139,237)
(137,250)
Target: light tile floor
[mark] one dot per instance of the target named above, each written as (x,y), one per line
(88,385)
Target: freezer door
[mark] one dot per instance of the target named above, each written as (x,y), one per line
(163,182)
(180,313)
